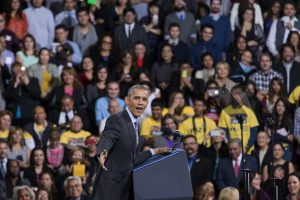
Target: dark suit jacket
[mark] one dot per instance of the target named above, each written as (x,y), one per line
(225,174)
(201,171)
(119,140)
(294,74)
(54,117)
(122,42)
(266,160)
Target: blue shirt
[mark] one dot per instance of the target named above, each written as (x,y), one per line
(101,108)
(41,25)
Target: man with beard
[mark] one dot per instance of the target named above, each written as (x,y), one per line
(185,19)
(12,179)
(200,166)
(288,67)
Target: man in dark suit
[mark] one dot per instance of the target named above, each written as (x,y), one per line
(200,166)
(229,172)
(40,128)
(117,149)
(288,67)
(128,33)
(3,158)
(63,116)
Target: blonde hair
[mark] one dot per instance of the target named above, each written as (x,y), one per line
(229,193)
(206,191)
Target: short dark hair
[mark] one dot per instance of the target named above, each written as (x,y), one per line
(287,46)
(81,10)
(157,102)
(128,9)
(289,2)
(215,0)
(3,141)
(206,25)
(189,136)
(61,26)
(174,24)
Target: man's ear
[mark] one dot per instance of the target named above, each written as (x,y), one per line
(127,100)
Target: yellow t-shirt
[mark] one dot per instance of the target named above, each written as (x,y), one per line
(228,120)
(295,95)
(187,127)
(74,139)
(149,125)
(46,78)
(187,110)
(4,134)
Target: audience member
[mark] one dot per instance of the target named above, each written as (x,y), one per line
(28,55)
(185,19)
(101,107)
(40,127)
(84,33)
(229,173)
(12,179)
(220,22)
(18,150)
(222,76)
(200,166)
(55,150)
(3,159)
(205,44)
(199,125)
(206,191)
(40,23)
(86,76)
(293,185)
(73,188)
(229,193)
(23,192)
(76,136)
(68,16)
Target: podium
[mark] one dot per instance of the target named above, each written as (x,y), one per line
(163,177)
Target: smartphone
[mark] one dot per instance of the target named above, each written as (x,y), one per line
(184,74)
(215,133)
(213,92)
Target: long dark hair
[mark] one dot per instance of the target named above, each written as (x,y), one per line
(19,13)
(286,119)
(282,92)
(32,156)
(290,36)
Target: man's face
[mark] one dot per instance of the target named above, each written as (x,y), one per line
(265,63)
(76,124)
(3,150)
(137,102)
(156,112)
(129,17)
(70,4)
(40,114)
(288,54)
(61,35)
(113,90)
(207,34)
(5,122)
(174,32)
(190,146)
(262,139)
(215,6)
(83,18)
(114,107)
(139,50)
(179,4)
(37,3)
(13,169)
(74,189)
(67,105)
(199,107)
(234,150)
(289,10)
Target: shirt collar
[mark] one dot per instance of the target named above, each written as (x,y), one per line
(239,158)
(173,41)
(287,19)
(132,118)
(131,25)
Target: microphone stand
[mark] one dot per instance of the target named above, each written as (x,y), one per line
(270,123)
(246,172)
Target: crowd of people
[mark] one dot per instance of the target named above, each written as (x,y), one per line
(224,73)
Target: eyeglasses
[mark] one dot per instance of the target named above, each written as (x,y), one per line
(106,42)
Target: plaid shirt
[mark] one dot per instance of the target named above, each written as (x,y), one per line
(297,127)
(262,80)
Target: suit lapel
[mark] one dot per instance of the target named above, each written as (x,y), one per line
(131,130)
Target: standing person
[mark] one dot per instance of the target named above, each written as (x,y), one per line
(40,23)
(117,148)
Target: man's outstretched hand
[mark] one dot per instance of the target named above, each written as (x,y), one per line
(102,159)
(162,150)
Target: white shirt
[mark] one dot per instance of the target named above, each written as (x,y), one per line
(5,160)
(134,123)
(288,67)
(271,41)
(127,28)
(239,160)
(62,116)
